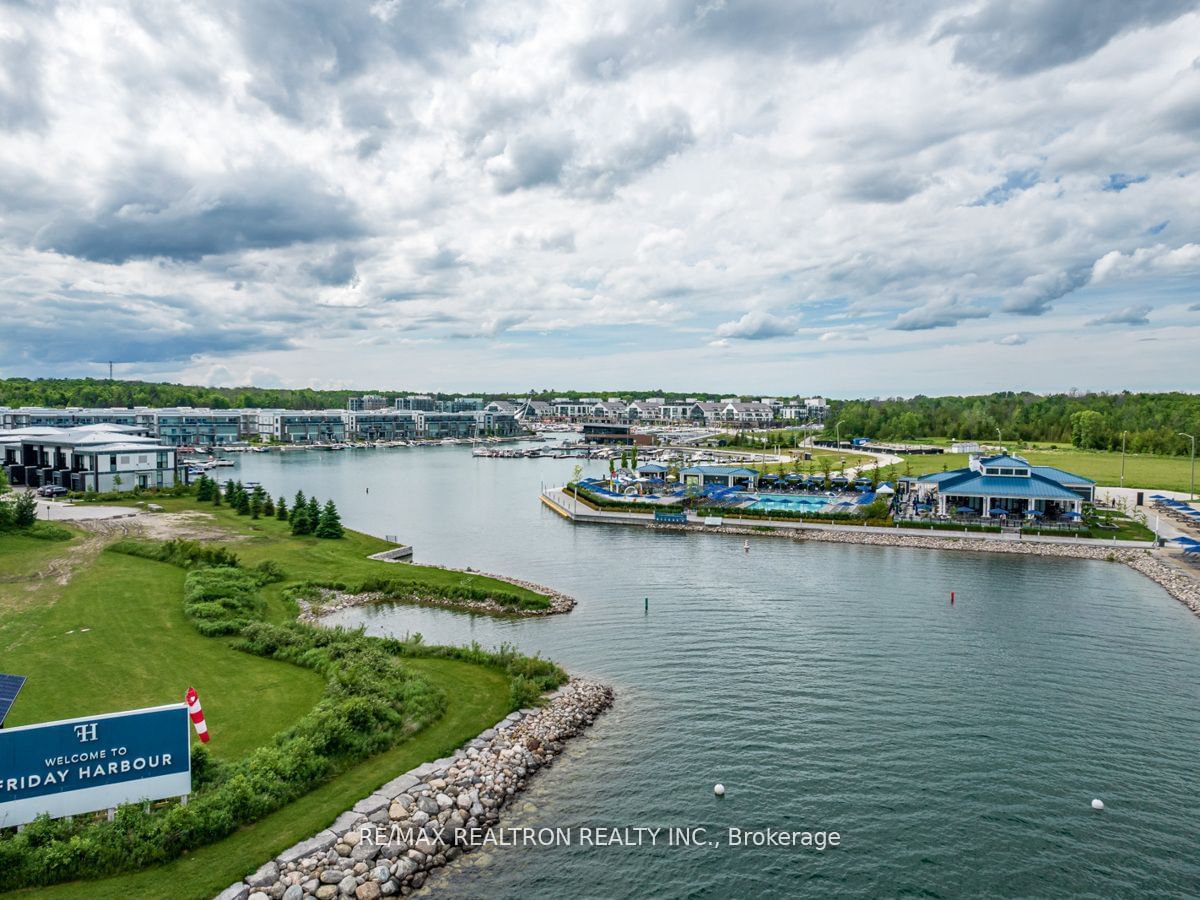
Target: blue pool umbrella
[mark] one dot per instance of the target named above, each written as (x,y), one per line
(964,509)
(1071,515)
(1032,512)
(997,511)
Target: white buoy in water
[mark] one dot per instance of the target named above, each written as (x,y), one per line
(719,790)
(1098,805)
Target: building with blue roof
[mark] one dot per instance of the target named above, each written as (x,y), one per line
(726,476)
(1006,485)
(652,470)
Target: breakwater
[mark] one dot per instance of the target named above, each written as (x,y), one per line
(390,841)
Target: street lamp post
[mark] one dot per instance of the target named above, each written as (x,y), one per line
(838,431)
(1000,438)
(1123,433)
(1192,437)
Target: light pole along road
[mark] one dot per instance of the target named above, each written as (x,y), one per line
(1192,437)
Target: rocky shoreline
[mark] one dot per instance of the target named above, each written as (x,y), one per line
(1177,583)
(332,600)
(389,842)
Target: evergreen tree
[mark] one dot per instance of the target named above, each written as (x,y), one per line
(301,522)
(216,494)
(281,509)
(268,507)
(243,503)
(25,510)
(330,524)
(314,513)
(258,501)
(298,504)
(203,489)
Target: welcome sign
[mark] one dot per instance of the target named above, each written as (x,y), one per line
(82,765)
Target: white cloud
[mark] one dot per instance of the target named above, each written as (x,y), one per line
(311,178)
(1130,315)
(758,326)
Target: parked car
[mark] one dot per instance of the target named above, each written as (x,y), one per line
(51,490)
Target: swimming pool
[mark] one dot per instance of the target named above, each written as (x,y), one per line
(789,503)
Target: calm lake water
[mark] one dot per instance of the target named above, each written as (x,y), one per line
(829,687)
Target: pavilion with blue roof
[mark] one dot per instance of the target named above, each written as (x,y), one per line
(1006,485)
(725,476)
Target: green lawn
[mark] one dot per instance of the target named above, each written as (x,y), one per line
(23,557)
(113,636)
(138,650)
(1170,473)
(480,699)
(310,558)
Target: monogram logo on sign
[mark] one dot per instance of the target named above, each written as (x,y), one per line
(86,733)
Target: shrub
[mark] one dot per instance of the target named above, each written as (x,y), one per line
(269,571)
(47,531)
(182,553)
(222,600)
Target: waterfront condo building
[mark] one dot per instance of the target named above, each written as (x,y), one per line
(103,457)
(187,427)
(383,425)
(324,426)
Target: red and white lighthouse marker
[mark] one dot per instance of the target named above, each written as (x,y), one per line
(197,714)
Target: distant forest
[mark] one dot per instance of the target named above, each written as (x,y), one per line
(1091,421)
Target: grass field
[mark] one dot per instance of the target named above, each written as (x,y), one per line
(311,558)
(480,700)
(138,649)
(98,631)
(1170,473)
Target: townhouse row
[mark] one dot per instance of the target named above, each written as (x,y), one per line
(194,427)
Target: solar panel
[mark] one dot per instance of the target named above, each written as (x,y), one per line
(10,686)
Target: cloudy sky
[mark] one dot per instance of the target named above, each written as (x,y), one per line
(851,197)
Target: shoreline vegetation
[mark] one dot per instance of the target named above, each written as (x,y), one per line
(315,601)
(391,841)
(229,580)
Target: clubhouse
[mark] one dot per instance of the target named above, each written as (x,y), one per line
(1004,486)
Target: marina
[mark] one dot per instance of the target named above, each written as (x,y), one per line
(804,646)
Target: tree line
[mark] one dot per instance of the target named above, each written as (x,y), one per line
(306,515)
(1151,422)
